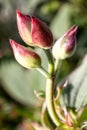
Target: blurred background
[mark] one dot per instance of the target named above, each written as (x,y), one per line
(18,104)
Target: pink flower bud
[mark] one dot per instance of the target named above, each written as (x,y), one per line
(33,31)
(25,56)
(66,45)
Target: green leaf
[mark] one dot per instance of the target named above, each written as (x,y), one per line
(75,94)
(61,21)
(82,115)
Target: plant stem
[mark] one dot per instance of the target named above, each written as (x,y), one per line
(56,117)
(58,64)
(50,65)
(51,62)
(43,72)
(50,102)
(49,90)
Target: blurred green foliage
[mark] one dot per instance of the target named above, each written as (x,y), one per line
(17,101)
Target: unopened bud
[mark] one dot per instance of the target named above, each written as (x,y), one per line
(33,31)
(66,45)
(25,56)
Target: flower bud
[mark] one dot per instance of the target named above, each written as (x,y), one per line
(25,56)
(66,45)
(33,31)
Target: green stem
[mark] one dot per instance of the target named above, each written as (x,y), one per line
(43,72)
(50,102)
(58,64)
(49,90)
(51,61)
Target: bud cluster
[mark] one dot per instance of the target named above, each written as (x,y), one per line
(33,32)
(36,33)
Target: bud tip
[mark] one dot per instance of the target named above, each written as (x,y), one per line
(18,12)
(12,43)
